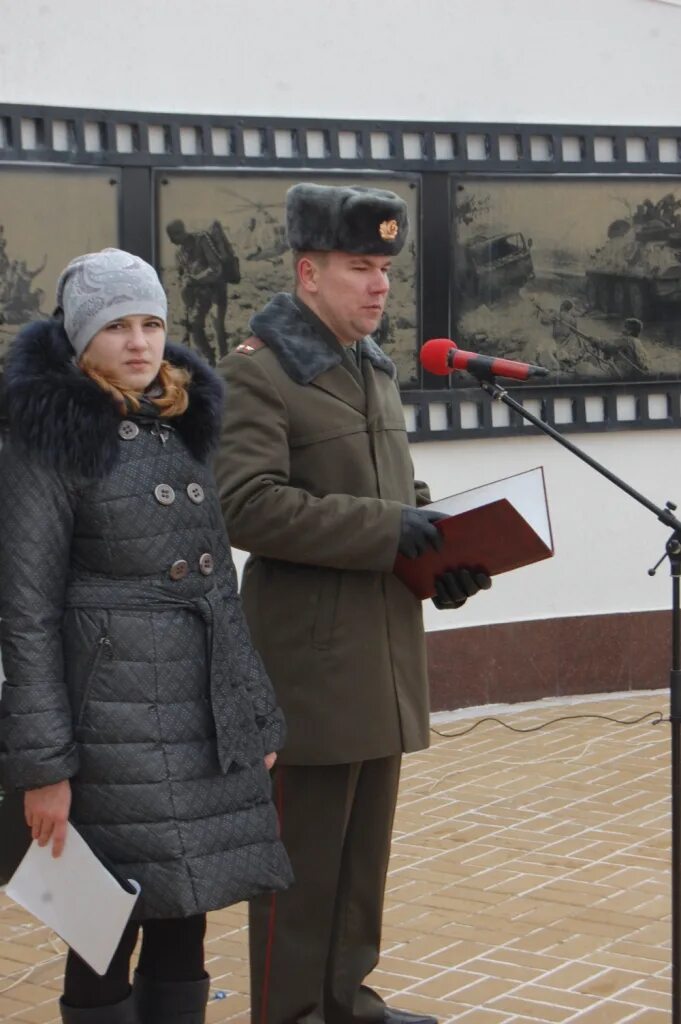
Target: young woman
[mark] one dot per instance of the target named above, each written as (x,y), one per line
(134,704)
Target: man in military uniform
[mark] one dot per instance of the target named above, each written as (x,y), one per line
(203,285)
(316,481)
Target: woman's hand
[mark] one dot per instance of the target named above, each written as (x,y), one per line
(269,761)
(47,812)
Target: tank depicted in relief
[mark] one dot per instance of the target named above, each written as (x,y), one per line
(637,271)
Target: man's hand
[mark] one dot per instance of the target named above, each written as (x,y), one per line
(269,761)
(418,531)
(47,812)
(453,588)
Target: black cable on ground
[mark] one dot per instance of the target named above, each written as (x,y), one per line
(657,717)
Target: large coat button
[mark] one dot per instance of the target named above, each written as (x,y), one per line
(179,569)
(206,564)
(196,493)
(164,494)
(127,430)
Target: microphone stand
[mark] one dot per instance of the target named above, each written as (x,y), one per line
(666,516)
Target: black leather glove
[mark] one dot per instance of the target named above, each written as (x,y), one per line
(453,588)
(418,532)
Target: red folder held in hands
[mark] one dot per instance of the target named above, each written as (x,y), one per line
(497,527)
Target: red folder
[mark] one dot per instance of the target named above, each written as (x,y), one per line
(495,535)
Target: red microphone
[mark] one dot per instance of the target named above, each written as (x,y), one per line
(442,356)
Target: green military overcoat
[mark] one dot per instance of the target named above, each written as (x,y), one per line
(313,471)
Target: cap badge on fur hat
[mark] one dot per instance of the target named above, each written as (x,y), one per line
(388,230)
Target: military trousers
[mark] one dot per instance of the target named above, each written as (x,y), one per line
(312,947)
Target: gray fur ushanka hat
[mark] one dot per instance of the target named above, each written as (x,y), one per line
(353,219)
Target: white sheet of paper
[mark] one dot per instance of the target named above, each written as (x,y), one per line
(76,896)
(525,491)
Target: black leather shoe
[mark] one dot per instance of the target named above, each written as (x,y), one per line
(393,1016)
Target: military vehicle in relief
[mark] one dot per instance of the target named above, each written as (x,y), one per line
(637,272)
(490,266)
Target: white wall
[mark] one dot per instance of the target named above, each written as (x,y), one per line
(569,61)
(566,61)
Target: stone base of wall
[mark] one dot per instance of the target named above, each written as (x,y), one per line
(519,661)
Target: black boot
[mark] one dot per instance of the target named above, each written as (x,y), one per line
(118,1013)
(170,1002)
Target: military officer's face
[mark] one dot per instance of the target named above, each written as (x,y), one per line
(347,292)
(128,351)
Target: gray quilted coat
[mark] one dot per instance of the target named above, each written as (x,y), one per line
(129,666)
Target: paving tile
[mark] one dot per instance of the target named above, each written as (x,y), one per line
(229,1009)
(606,1012)
(640,996)
(43,1013)
(385,981)
(657,984)
(225,947)
(658,934)
(650,1017)
(642,963)
(484,991)
(10,1006)
(426,946)
(473,928)
(28,993)
(412,970)
(18,953)
(609,983)
(492,968)
(548,994)
(572,976)
(482,1016)
(514,1006)
(447,983)
(543,939)
(547,913)
(577,947)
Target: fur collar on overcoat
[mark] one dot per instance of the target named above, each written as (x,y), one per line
(62,418)
(302,352)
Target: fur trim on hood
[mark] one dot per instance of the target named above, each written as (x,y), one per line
(59,415)
(302,353)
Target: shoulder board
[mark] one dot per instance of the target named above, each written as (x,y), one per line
(247,348)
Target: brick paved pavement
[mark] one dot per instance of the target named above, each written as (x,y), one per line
(529,880)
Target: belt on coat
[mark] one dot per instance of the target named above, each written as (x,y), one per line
(237,735)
